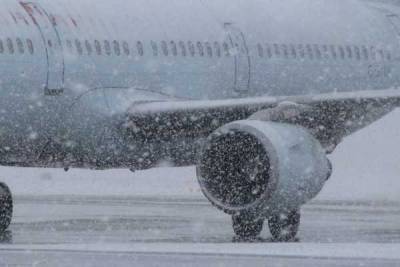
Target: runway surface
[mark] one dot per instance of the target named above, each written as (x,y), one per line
(188,231)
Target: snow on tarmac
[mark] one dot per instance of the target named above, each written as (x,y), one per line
(309,250)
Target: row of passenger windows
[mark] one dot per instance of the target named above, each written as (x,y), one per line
(202,49)
(181,48)
(317,51)
(13,46)
(105,47)
(217,49)
(164,48)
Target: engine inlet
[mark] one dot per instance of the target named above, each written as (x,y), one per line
(234,169)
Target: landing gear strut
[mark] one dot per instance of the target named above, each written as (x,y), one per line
(247,226)
(6,207)
(284,226)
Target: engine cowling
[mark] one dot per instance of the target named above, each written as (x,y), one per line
(262,167)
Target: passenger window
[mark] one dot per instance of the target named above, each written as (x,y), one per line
(381,55)
(277,51)
(301,50)
(285,50)
(388,56)
(310,53)
(10,46)
(140,48)
(97,46)
(88,47)
(226,49)
(349,52)
(20,46)
(333,52)
(117,48)
(164,48)
(217,48)
(182,47)
(209,49)
(373,53)
(154,47)
(365,53)
(125,48)
(200,48)
(107,48)
(30,46)
(174,49)
(318,53)
(69,46)
(357,52)
(78,46)
(237,49)
(268,50)
(192,49)
(260,50)
(341,52)
(325,51)
(1,47)
(293,51)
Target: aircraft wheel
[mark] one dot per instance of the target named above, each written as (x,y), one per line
(6,207)
(247,226)
(284,227)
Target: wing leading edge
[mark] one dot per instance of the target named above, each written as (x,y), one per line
(330,117)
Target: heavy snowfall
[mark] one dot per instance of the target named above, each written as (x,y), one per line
(199,133)
(160,218)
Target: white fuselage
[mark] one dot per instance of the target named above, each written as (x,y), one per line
(67,68)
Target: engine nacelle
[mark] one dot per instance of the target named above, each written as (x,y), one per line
(263,167)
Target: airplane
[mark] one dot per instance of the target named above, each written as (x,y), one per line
(254,93)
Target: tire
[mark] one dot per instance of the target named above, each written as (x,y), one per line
(247,226)
(6,207)
(284,227)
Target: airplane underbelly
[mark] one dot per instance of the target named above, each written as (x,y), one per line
(22,118)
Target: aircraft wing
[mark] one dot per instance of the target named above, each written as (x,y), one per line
(329,116)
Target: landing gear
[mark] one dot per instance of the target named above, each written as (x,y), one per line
(247,226)
(6,207)
(284,226)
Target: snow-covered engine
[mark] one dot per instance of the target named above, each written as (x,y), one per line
(259,170)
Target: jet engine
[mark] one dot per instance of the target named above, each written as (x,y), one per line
(256,170)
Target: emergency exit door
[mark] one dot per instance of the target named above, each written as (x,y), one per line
(54,84)
(240,51)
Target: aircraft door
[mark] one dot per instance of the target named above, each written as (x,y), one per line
(242,61)
(54,84)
